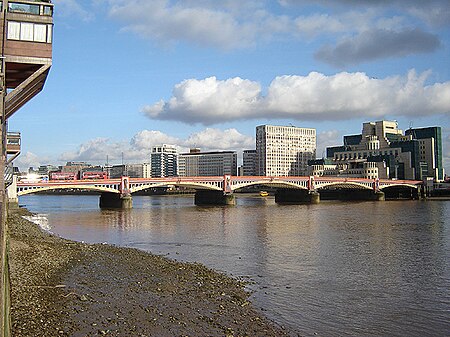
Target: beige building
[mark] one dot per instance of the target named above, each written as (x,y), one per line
(383,151)
(284,150)
(202,164)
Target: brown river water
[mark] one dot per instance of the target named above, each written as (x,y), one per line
(332,269)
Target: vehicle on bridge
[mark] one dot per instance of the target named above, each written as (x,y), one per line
(94,175)
(32,178)
(63,175)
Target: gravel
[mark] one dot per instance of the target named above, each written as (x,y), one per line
(66,288)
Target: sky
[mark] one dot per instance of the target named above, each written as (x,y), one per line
(131,74)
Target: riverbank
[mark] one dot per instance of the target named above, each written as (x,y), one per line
(66,288)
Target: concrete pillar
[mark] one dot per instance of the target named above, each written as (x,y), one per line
(11,194)
(116,200)
(213,198)
(314,197)
(296,196)
(379,196)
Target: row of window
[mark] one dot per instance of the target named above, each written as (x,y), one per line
(364,155)
(27,31)
(35,9)
(285,130)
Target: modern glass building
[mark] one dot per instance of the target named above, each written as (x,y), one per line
(430,143)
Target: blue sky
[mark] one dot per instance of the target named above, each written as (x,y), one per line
(128,75)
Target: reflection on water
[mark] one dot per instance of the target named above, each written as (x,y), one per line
(369,268)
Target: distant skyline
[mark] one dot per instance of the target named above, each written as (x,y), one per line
(128,75)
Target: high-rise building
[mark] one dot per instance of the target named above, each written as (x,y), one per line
(382,151)
(284,150)
(249,163)
(196,163)
(164,161)
(430,150)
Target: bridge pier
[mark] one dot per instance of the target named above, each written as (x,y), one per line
(116,200)
(213,198)
(352,195)
(11,192)
(379,196)
(296,196)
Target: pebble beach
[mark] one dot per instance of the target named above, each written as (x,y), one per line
(65,288)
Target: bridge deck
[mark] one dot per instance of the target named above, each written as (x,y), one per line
(220,183)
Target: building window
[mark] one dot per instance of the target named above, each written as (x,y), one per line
(48,10)
(26,31)
(23,8)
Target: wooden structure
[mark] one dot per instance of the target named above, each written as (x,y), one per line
(27,31)
(26,34)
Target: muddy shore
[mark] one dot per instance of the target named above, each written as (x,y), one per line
(66,288)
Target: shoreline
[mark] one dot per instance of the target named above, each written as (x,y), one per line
(66,288)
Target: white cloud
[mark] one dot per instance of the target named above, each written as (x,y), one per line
(146,139)
(208,101)
(228,24)
(71,8)
(204,22)
(312,97)
(326,139)
(138,149)
(29,159)
(216,139)
(234,24)
(97,150)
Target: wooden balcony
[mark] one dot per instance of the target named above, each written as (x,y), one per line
(27,30)
(13,143)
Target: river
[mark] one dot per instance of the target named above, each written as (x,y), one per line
(331,269)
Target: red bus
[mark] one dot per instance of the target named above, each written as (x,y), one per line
(94,175)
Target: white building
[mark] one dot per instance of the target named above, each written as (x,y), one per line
(164,161)
(284,150)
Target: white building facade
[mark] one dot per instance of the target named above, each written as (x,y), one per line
(284,150)
(164,161)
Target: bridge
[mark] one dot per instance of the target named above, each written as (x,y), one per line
(116,193)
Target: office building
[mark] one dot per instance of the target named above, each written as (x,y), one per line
(164,161)
(249,163)
(430,150)
(284,150)
(196,163)
(126,170)
(383,151)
